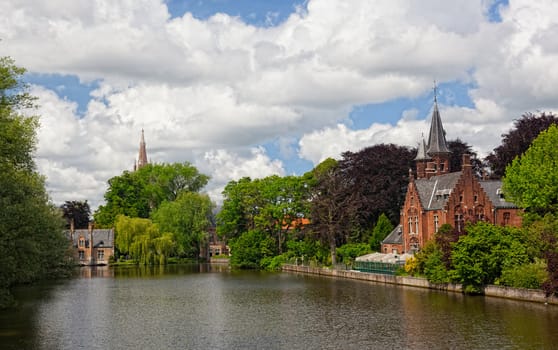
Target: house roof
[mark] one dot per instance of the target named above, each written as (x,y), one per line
(493,189)
(395,237)
(434,192)
(101,237)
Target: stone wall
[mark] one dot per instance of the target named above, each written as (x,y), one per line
(531,295)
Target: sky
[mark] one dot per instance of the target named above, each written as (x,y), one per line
(255,88)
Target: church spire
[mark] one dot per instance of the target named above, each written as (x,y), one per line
(142,156)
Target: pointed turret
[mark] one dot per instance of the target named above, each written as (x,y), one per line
(437,136)
(142,156)
(436,148)
(421,153)
(421,159)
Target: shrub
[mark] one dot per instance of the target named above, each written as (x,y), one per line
(525,276)
(348,252)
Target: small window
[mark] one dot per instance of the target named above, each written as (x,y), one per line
(81,254)
(101,255)
(82,242)
(476,198)
(506,220)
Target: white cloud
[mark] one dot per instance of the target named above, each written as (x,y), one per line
(210,91)
(225,166)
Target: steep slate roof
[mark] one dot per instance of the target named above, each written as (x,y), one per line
(493,189)
(104,236)
(436,137)
(421,153)
(434,192)
(395,237)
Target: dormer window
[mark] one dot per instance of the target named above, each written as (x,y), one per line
(500,194)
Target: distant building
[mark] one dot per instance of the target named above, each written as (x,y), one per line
(439,196)
(91,246)
(215,245)
(142,154)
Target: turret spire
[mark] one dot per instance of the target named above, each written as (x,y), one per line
(433,157)
(437,136)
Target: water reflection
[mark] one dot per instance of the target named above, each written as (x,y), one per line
(210,306)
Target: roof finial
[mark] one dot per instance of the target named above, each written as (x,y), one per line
(435,93)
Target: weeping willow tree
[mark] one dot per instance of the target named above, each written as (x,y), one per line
(141,240)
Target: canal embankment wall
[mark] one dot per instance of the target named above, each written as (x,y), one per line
(531,295)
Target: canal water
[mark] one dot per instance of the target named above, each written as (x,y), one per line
(211,307)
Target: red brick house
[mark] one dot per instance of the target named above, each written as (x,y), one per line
(438,196)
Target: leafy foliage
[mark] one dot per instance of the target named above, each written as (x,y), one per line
(480,256)
(273,205)
(250,248)
(328,214)
(32,244)
(376,179)
(77,211)
(518,140)
(188,218)
(381,230)
(445,238)
(142,241)
(545,232)
(531,275)
(531,180)
(350,251)
(138,193)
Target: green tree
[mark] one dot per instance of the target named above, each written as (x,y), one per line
(250,248)
(138,193)
(32,244)
(240,204)
(543,239)
(188,218)
(531,181)
(272,205)
(379,233)
(480,256)
(141,240)
(518,140)
(76,211)
(350,251)
(283,202)
(329,216)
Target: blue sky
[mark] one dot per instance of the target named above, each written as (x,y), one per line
(254,88)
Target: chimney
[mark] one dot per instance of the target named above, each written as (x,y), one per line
(466,161)
(72,229)
(90,228)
